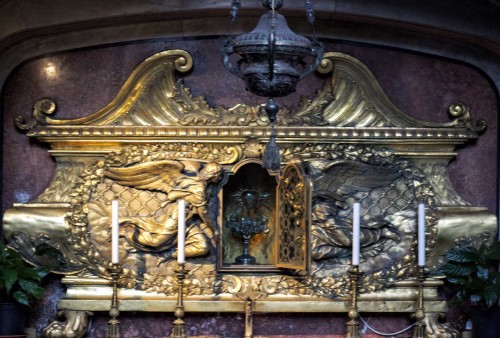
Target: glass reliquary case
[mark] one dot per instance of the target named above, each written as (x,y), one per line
(284,234)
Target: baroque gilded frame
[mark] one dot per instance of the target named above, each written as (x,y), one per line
(155,116)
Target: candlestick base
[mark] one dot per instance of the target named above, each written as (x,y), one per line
(113,330)
(178,329)
(419,329)
(353,330)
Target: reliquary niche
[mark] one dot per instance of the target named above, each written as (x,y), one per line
(284,235)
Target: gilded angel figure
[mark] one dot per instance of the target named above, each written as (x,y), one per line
(331,233)
(188,180)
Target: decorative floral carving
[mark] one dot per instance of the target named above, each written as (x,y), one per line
(222,154)
(445,194)
(59,188)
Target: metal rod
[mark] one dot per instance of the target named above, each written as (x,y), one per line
(248,318)
(249,297)
(178,330)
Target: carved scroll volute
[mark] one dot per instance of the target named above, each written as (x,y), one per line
(294,219)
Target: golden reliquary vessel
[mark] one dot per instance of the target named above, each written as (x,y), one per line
(282,237)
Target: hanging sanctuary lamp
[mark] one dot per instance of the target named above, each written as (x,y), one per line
(271,60)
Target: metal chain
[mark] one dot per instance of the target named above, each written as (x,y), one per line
(309,11)
(235,7)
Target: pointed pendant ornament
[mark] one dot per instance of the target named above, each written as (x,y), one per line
(271,157)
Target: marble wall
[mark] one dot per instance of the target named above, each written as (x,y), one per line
(83,81)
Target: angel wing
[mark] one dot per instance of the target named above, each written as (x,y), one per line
(343,178)
(158,175)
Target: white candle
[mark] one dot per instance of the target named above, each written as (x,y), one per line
(181,231)
(421,234)
(355,233)
(114,232)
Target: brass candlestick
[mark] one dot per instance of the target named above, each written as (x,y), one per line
(178,330)
(114,323)
(419,329)
(353,324)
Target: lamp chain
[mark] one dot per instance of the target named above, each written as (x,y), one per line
(310,16)
(235,7)
(233,13)
(309,11)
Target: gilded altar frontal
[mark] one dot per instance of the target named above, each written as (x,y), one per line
(280,240)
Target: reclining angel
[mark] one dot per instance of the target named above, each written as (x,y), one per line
(187,180)
(331,230)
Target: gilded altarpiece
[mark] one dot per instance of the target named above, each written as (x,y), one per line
(284,235)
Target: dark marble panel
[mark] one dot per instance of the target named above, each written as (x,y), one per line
(44,311)
(265,325)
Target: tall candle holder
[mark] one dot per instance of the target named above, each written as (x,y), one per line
(419,329)
(178,330)
(353,330)
(114,324)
